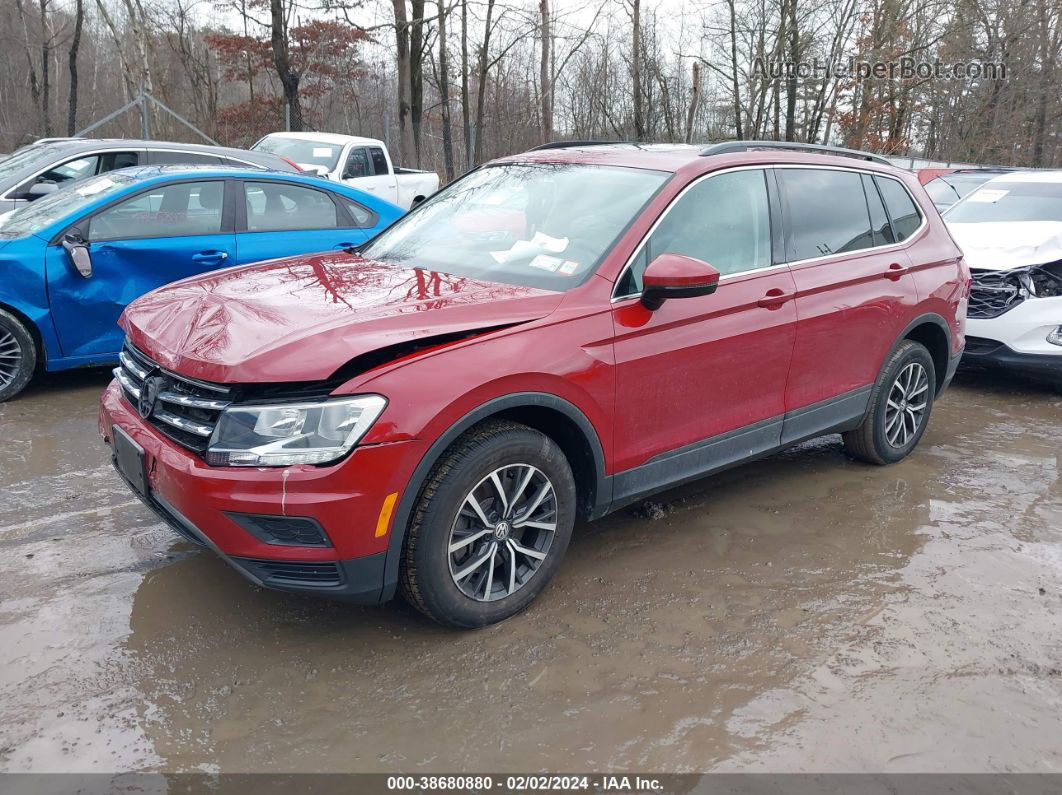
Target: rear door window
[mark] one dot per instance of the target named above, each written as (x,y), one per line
(379,161)
(902,208)
(827,212)
(273,207)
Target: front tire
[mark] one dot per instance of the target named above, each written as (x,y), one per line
(900,405)
(18,356)
(490,526)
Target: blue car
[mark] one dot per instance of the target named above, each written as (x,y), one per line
(71,261)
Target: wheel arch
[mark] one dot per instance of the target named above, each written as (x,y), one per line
(931,330)
(32,328)
(554,416)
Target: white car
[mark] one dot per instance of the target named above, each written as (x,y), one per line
(1010,230)
(362,163)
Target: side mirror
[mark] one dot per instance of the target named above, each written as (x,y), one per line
(38,189)
(676,276)
(77,247)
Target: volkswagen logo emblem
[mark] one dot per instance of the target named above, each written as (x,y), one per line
(149,394)
(501,531)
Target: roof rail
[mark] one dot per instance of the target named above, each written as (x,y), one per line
(726,147)
(571,144)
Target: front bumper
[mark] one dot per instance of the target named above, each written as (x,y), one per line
(346,500)
(1024,328)
(990,353)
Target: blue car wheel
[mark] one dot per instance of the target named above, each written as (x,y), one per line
(18,356)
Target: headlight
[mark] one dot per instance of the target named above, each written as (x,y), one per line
(285,434)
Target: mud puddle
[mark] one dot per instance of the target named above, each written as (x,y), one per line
(800,613)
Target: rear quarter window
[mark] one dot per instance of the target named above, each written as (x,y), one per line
(905,215)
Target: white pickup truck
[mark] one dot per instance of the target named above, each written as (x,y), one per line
(362,163)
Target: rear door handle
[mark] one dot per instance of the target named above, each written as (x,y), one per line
(895,271)
(210,256)
(774,298)
(343,246)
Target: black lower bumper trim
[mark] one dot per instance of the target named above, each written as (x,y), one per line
(1035,365)
(357,580)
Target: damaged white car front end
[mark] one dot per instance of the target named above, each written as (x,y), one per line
(1014,317)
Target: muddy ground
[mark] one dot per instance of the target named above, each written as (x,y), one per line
(801,613)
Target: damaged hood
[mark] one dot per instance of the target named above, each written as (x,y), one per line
(1003,245)
(301,319)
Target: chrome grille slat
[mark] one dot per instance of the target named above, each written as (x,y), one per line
(186,410)
(194,402)
(198,428)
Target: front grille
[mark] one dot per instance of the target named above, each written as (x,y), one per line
(282,572)
(995,292)
(184,409)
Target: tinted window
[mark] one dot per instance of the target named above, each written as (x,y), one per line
(379,161)
(110,161)
(187,208)
(160,158)
(723,220)
(273,207)
(902,209)
(879,221)
(357,164)
(827,212)
(362,215)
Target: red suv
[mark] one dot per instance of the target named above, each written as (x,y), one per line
(551,337)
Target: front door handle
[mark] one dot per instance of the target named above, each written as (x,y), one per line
(895,271)
(774,298)
(210,256)
(344,246)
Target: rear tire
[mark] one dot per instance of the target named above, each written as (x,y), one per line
(18,356)
(475,556)
(900,405)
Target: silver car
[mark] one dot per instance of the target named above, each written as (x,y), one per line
(44,167)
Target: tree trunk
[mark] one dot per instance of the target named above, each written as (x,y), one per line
(46,59)
(444,91)
(544,72)
(734,72)
(75,44)
(481,88)
(416,75)
(404,79)
(636,69)
(289,78)
(791,80)
(466,98)
(35,86)
(695,100)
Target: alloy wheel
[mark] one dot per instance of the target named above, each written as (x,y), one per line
(10,357)
(503,532)
(906,407)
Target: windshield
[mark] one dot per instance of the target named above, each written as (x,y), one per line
(27,156)
(1010,201)
(536,225)
(44,212)
(300,150)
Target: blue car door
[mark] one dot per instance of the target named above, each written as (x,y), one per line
(280,219)
(162,234)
